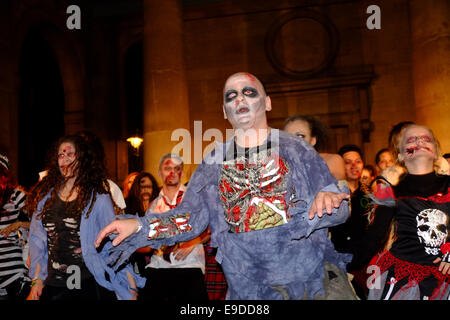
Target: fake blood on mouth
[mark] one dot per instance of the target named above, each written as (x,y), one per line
(410,150)
(242,110)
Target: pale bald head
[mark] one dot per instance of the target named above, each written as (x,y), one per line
(245,102)
(248,76)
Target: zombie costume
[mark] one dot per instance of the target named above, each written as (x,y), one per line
(421,213)
(170,279)
(87,228)
(196,259)
(13,271)
(256,202)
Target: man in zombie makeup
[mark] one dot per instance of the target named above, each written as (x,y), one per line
(175,272)
(268,199)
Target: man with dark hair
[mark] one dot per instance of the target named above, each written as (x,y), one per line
(353,161)
(347,236)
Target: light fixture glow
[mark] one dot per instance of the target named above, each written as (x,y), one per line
(135,142)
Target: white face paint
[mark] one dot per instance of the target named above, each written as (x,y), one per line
(417,142)
(245,103)
(432,229)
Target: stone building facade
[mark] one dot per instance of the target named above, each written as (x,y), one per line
(157,66)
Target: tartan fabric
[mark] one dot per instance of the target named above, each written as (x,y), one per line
(216,284)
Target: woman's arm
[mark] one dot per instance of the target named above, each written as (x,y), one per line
(38,253)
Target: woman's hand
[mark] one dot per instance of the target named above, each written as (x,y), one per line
(36,289)
(444,267)
(13,227)
(134,293)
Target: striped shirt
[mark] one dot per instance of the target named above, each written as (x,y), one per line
(12,266)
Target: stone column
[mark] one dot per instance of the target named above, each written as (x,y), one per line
(166,106)
(430,36)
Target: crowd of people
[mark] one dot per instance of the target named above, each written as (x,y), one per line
(266,215)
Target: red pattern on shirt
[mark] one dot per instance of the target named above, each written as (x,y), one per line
(415,272)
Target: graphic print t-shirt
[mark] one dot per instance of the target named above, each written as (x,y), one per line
(252,187)
(421,201)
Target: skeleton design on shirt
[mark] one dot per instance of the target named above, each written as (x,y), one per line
(253,192)
(432,229)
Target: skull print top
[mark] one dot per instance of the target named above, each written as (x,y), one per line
(422,216)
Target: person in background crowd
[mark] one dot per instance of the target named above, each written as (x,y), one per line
(347,236)
(367,175)
(383,159)
(14,225)
(69,207)
(354,164)
(393,173)
(97,150)
(128,182)
(447,157)
(417,265)
(314,132)
(175,273)
(143,191)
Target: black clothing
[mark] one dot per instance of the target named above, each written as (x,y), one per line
(347,236)
(89,290)
(422,219)
(174,285)
(415,194)
(64,247)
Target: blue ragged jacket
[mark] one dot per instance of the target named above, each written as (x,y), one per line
(101,215)
(265,263)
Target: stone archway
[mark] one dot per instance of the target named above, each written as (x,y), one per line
(40,106)
(59,55)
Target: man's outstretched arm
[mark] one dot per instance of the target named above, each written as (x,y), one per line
(183,223)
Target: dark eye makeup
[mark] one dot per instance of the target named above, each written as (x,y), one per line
(250,92)
(230,95)
(246,91)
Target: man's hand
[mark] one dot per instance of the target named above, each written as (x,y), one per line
(326,200)
(123,228)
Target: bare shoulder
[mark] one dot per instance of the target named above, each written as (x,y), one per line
(332,158)
(335,163)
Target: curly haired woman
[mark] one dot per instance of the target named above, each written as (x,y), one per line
(70,205)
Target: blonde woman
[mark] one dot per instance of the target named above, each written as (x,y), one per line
(417,266)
